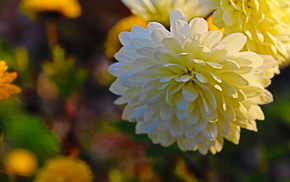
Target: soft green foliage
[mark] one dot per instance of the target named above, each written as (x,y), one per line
(63,72)
(16,58)
(129,128)
(25,131)
(4,177)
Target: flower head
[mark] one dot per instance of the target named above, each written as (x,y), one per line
(188,86)
(20,162)
(62,169)
(67,8)
(6,88)
(264,22)
(159,10)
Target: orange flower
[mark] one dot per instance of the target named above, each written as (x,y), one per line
(67,8)
(6,88)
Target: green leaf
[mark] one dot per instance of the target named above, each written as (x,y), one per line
(68,82)
(157,150)
(5,177)
(129,128)
(29,132)
(274,152)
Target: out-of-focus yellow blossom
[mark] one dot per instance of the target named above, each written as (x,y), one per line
(6,88)
(20,162)
(112,43)
(188,85)
(67,8)
(264,22)
(116,175)
(64,169)
(183,172)
(159,10)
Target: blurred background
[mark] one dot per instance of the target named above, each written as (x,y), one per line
(64,122)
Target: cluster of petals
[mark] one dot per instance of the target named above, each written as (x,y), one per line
(6,88)
(188,85)
(159,10)
(264,22)
(112,44)
(65,169)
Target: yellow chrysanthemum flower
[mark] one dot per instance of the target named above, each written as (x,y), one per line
(264,22)
(6,88)
(159,10)
(112,43)
(20,162)
(188,85)
(63,169)
(67,8)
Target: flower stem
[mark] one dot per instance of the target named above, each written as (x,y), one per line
(51,33)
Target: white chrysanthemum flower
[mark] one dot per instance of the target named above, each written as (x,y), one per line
(265,22)
(188,86)
(159,10)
